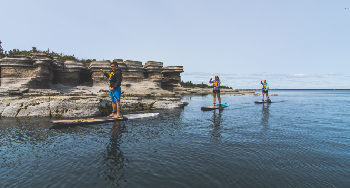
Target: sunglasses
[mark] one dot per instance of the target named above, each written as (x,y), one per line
(112,66)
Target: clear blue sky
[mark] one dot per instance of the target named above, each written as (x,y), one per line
(292,44)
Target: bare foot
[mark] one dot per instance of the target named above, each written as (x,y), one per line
(111,115)
(116,116)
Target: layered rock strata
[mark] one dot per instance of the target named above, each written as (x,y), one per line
(134,71)
(16,70)
(153,71)
(97,77)
(171,78)
(24,71)
(57,68)
(42,71)
(71,74)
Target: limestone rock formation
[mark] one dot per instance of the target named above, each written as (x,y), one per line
(57,68)
(97,77)
(153,71)
(134,71)
(40,71)
(72,72)
(23,71)
(171,78)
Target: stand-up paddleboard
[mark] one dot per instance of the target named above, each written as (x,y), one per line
(206,108)
(135,116)
(101,119)
(260,102)
(88,121)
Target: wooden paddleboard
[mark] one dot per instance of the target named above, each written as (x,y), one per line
(88,121)
(206,108)
(101,119)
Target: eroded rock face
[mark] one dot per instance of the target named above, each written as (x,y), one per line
(26,72)
(134,71)
(171,78)
(57,68)
(16,61)
(153,71)
(41,71)
(71,73)
(97,77)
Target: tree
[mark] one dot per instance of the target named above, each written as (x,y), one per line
(1,50)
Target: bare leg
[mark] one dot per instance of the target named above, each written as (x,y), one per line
(116,109)
(214,99)
(219,98)
(263,94)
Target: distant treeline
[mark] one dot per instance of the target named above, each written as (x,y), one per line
(189,84)
(34,50)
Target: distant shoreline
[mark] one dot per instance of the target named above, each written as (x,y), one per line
(288,89)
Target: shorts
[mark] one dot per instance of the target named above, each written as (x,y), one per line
(115,94)
(265,91)
(216,91)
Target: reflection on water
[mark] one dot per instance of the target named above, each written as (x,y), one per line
(265,115)
(216,119)
(114,160)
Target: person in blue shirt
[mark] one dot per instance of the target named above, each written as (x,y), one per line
(265,90)
(216,89)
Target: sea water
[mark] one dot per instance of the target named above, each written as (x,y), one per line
(300,140)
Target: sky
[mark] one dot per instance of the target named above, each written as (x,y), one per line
(299,44)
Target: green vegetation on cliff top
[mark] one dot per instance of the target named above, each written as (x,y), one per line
(34,50)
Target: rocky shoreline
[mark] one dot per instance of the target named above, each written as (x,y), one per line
(84,101)
(78,102)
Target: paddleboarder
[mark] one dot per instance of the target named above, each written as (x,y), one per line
(115,79)
(216,89)
(265,90)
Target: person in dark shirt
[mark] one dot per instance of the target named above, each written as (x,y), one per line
(115,80)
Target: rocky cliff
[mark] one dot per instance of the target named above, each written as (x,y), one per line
(40,71)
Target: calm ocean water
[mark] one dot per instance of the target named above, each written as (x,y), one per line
(301,140)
